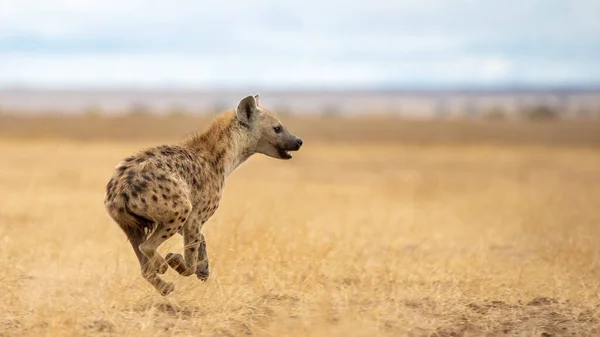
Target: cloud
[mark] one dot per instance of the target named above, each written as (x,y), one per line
(64,42)
(159,70)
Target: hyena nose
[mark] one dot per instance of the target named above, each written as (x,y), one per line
(299,141)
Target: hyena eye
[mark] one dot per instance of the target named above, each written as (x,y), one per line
(277,129)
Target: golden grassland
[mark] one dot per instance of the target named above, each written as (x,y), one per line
(356,129)
(362,233)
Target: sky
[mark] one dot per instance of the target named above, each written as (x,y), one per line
(299,44)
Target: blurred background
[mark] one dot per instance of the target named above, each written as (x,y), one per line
(410,59)
(448,184)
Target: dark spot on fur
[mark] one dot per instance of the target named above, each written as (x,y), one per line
(155,198)
(192,249)
(171,234)
(176,213)
(134,194)
(164,196)
(195,181)
(129,159)
(178,228)
(169,229)
(182,219)
(146,177)
(162,177)
(149,153)
(122,209)
(144,200)
(167,151)
(122,169)
(164,236)
(171,221)
(125,196)
(142,184)
(140,160)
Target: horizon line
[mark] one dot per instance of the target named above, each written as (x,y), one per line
(475,88)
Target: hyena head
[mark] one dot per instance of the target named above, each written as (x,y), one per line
(266,133)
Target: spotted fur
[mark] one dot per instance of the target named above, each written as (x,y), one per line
(176,188)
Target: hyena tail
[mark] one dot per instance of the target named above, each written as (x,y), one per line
(134,225)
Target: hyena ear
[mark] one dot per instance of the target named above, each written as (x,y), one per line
(256,98)
(246,109)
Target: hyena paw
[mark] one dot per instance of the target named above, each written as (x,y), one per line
(177,262)
(163,268)
(202,271)
(166,288)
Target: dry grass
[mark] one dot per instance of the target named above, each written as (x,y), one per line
(359,129)
(353,240)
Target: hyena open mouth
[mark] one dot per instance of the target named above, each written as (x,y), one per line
(291,145)
(285,154)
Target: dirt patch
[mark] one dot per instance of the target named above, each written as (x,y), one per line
(541,316)
(101,326)
(172,310)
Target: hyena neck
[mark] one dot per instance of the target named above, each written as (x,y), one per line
(221,145)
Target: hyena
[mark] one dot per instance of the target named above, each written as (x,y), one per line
(176,188)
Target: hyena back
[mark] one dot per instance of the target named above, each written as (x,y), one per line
(176,188)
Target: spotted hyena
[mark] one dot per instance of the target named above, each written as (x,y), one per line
(176,188)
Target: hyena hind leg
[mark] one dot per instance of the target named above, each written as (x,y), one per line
(155,262)
(136,238)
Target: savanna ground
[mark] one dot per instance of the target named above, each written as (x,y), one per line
(380,228)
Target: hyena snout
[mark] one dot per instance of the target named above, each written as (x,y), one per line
(291,143)
(295,144)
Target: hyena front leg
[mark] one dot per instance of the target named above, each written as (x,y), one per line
(191,243)
(202,269)
(202,266)
(155,262)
